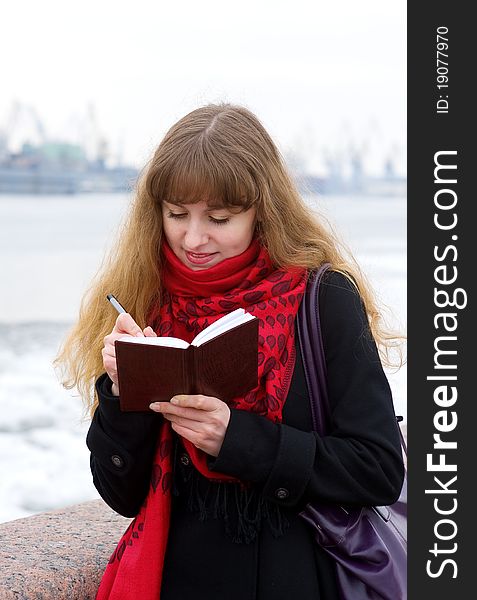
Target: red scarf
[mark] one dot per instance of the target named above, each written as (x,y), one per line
(192,301)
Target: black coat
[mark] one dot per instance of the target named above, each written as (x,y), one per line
(359,462)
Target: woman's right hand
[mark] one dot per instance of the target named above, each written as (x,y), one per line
(124,325)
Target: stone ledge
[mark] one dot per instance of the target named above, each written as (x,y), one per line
(58,555)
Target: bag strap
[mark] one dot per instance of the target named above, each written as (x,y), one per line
(313,355)
(312,352)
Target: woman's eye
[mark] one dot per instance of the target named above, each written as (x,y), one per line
(219,221)
(172,215)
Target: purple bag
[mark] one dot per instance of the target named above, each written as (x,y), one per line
(368,544)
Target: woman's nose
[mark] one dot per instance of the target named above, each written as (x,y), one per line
(195,236)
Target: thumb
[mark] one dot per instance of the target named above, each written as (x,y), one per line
(126,324)
(149,332)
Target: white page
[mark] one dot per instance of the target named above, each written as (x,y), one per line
(217,325)
(219,330)
(228,321)
(172,342)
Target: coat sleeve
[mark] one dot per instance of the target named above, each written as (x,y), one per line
(122,448)
(360,460)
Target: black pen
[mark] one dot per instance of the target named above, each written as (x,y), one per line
(116,304)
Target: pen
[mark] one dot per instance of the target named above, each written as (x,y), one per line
(116,304)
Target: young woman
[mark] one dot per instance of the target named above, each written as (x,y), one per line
(216,489)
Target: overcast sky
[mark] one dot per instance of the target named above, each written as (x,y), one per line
(322,76)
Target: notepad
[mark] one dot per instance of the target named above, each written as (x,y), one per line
(221,361)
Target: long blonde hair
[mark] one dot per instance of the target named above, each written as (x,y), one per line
(222,153)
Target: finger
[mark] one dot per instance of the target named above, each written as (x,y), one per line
(126,324)
(168,409)
(109,350)
(197,401)
(110,363)
(195,426)
(186,433)
(111,369)
(108,357)
(109,339)
(149,332)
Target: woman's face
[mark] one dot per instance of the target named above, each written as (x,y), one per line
(201,236)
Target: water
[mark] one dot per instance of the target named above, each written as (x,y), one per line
(50,248)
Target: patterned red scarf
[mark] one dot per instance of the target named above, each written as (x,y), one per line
(194,300)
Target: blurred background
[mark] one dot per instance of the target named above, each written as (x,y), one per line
(88,91)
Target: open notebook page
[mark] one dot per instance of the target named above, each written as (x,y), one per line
(225,323)
(172,342)
(220,326)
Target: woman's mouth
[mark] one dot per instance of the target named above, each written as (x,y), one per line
(198,258)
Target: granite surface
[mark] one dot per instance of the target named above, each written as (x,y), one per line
(60,554)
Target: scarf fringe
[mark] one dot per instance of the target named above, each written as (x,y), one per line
(243,510)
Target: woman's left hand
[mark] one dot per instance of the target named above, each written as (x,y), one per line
(202,420)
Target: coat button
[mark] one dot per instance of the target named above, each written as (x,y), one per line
(282,493)
(117,461)
(185,460)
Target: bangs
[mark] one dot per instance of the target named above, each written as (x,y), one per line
(198,172)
